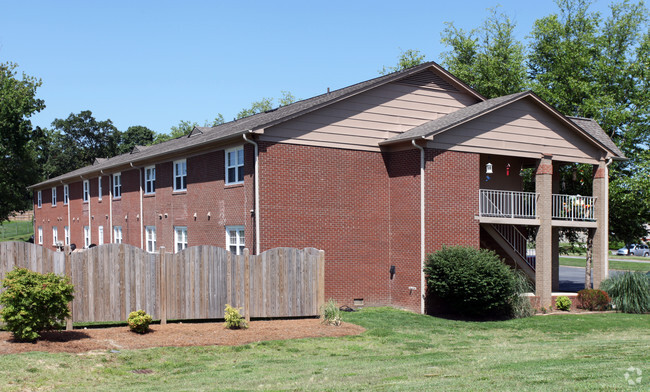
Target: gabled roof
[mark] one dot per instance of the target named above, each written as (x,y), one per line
(234,129)
(587,127)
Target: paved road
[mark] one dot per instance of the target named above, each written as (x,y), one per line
(572,279)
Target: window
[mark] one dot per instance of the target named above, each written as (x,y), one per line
(100,235)
(180,238)
(151,238)
(235,165)
(86,236)
(117,234)
(117,185)
(54,197)
(99,188)
(39,199)
(55,235)
(66,194)
(235,239)
(150,180)
(66,234)
(40,235)
(86,190)
(180,175)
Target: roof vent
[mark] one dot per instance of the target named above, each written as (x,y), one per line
(428,79)
(98,161)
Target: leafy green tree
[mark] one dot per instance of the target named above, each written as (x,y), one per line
(137,135)
(266,104)
(18,102)
(184,128)
(407,59)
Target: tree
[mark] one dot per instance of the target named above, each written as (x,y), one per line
(488,58)
(184,128)
(407,59)
(266,104)
(137,135)
(18,102)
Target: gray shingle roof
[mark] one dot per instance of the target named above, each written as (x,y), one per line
(591,126)
(233,129)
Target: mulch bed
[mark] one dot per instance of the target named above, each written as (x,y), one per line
(175,335)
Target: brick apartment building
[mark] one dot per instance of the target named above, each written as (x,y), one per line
(377,174)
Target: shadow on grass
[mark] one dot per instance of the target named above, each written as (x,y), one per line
(55,336)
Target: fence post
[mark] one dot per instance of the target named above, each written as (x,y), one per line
(162,285)
(247,284)
(321,281)
(68,273)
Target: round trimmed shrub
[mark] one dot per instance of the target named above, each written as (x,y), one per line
(33,302)
(563,303)
(139,321)
(593,299)
(472,282)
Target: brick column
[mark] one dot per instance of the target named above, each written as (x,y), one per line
(544,240)
(601,235)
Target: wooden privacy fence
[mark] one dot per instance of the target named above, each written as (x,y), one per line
(115,279)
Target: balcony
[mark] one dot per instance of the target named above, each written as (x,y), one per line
(497,206)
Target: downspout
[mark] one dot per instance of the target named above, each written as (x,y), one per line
(141,217)
(257,193)
(69,227)
(422,232)
(110,206)
(90,226)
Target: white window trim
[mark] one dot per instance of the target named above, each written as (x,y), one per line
(66,235)
(117,238)
(86,191)
(54,196)
(236,166)
(180,237)
(99,188)
(100,235)
(150,238)
(39,199)
(40,235)
(55,235)
(239,243)
(150,180)
(66,194)
(117,185)
(87,237)
(177,175)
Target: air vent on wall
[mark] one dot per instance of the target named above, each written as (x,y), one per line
(428,79)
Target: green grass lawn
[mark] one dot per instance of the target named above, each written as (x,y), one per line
(16,231)
(399,351)
(613,264)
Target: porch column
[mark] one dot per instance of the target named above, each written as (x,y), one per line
(544,240)
(555,236)
(601,235)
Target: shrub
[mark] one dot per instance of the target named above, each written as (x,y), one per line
(629,291)
(593,299)
(520,306)
(472,282)
(139,321)
(33,302)
(234,319)
(563,303)
(331,314)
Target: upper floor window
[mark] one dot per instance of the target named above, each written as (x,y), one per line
(86,190)
(66,194)
(117,185)
(39,199)
(54,197)
(235,241)
(235,165)
(180,238)
(150,180)
(99,188)
(180,175)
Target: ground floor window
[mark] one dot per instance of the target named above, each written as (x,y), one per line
(235,240)
(100,234)
(117,234)
(86,236)
(55,235)
(40,235)
(151,238)
(66,234)
(180,238)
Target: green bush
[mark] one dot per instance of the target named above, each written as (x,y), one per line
(472,282)
(234,319)
(520,306)
(139,321)
(563,303)
(33,302)
(629,291)
(593,299)
(331,314)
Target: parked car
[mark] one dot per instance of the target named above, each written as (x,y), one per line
(634,250)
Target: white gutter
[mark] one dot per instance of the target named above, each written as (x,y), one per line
(90,226)
(141,217)
(422,232)
(69,228)
(257,193)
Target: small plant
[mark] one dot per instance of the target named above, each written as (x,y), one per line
(331,314)
(593,299)
(543,309)
(563,303)
(139,321)
(33,302)
(629,291)
(234,319)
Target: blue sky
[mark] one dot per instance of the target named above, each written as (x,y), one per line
(154,63)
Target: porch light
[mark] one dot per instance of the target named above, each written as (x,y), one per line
(488,168)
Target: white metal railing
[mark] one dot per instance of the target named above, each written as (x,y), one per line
(518,242)
(507,204)
(573,207)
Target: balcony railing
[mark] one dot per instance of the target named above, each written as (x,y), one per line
(507,204)
(573,208)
